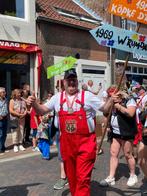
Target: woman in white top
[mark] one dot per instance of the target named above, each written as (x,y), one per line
(123,129)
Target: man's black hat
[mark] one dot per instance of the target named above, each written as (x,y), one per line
(71,73)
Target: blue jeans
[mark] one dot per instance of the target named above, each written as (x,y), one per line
(3,134)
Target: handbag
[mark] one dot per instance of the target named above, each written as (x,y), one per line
(14,123)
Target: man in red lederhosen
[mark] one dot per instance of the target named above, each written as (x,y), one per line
(75,112)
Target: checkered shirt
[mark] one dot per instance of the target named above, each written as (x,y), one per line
(3,107)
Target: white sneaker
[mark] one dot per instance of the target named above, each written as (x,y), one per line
(132,180)
(37,149)
(33,149)
(107,182)
(15,148)
(21,148)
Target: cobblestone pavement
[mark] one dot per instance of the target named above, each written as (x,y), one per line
(32,176)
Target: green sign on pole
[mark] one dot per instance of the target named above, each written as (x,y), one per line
(60,67)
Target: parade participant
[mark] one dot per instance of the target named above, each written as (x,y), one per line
(142,149)
(90,87)
(3,119)
(142,156)
(62,182)
(123,129)
(78,141)
(140,95)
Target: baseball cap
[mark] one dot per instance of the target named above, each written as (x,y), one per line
(71,73)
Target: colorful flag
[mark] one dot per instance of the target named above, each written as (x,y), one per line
(60,67)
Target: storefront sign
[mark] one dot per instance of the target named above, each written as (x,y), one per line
(60,67)
(131,9)
(23,47)
(114,37)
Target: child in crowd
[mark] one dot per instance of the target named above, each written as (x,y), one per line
(43,136)
(34,123)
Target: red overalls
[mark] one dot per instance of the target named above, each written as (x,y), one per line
(78,148)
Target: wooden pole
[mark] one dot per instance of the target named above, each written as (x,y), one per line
(118,88)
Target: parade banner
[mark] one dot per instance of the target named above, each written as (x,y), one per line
(114,37)
(131,9)
(60,67)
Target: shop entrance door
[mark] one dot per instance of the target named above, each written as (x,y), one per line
(13,76)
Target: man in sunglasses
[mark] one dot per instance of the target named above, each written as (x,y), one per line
(75,112)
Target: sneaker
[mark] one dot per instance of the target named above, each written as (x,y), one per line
(54,143)
(100,152)
(21,148)
(132,180)
(2,152)
(37,149)
(7,151)
(33,149)
(60,184)
(15,148)
(107,182)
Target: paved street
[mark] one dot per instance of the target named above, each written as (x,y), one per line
(29,175)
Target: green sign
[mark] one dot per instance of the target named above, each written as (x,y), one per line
(60,67)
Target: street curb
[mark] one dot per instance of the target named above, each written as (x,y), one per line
(32,154)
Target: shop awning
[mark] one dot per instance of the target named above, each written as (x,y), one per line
(16,53)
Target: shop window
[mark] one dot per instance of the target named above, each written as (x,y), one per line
(145,70)
(128,24)
(13,8)
(134,69)
(140,70)
(91,71)
(131,25)
(128,68)
(123,23)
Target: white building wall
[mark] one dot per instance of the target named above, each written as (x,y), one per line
(18,29)
(81,64)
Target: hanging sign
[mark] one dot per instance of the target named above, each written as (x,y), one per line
(131,9)
(138,57)
(114,37)
(60,67)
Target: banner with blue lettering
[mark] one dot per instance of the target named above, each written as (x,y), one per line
(114,37)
